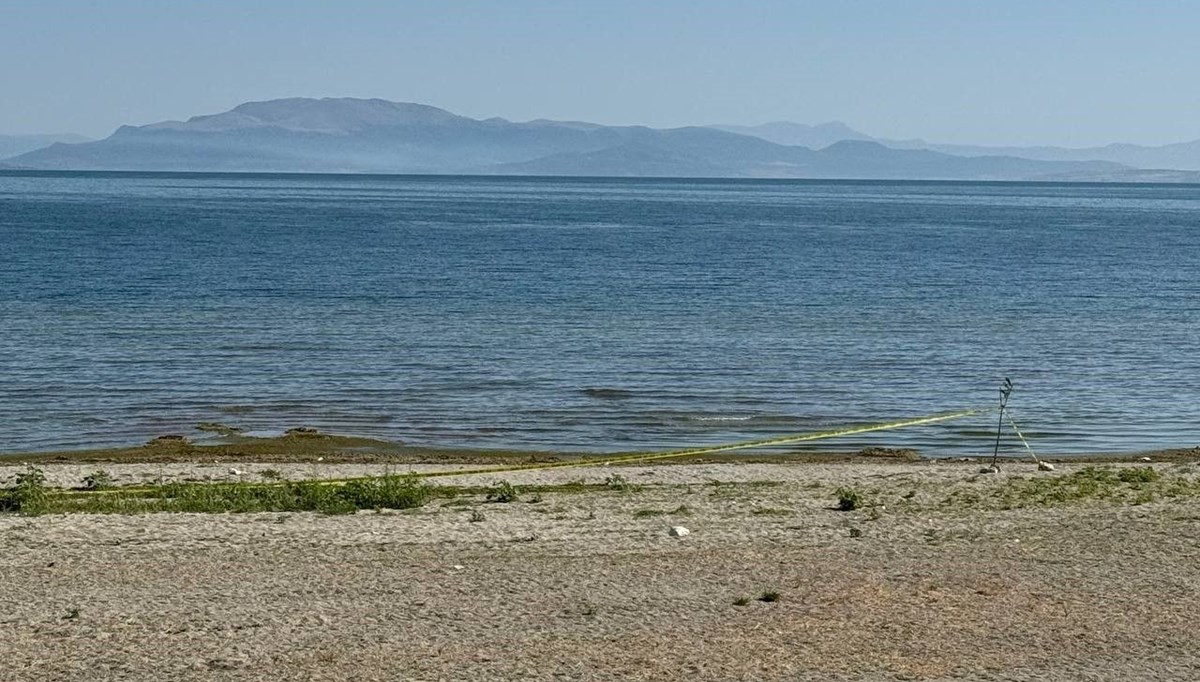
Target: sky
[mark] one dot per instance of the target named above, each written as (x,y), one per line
(1009,72)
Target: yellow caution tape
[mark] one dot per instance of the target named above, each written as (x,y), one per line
(631,458)
(1020,435)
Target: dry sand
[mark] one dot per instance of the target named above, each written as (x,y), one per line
(580,586)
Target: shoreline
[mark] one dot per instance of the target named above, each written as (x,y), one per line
(305,445)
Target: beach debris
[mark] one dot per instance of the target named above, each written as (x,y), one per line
(168,439)
(678,531)
(303,432)
(990,469)
(902,454)
(234,471)
(1145,459)
(458,567)
(1045,466)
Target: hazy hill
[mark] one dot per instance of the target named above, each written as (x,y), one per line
(11,145)
(799,134)
(1178,156)
(360,135)
(688,152)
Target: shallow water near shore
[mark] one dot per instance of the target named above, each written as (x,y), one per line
(595,315)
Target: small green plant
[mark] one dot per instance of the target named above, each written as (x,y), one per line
(617,482)
(849,499)
(386,492)
(1138,475)
(98,480)
(741,601)
(271,474)
(503,493)
(28,496)
(769,596)
(476,516)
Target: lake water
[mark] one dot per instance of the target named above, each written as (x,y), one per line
(596,315)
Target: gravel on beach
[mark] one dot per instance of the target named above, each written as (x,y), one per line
(590,586)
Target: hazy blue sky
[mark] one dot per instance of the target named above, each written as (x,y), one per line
(1074,72)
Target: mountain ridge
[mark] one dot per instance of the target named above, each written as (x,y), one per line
(350,135)
(1177,156)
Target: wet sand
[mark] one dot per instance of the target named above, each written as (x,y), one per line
(591,586)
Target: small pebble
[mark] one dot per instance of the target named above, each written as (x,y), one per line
(679,531)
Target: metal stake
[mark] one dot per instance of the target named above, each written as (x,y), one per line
(1005,391)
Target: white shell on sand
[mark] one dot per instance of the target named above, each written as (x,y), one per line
(679,531)
(1045,466)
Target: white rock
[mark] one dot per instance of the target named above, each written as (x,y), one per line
(1045,466)
(1146,459)
(679,531)
(459,567)
(235,472)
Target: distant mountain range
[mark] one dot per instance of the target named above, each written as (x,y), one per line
(378,136)
(11,145)
(1178,156)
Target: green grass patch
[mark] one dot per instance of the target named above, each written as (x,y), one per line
(1124,486)
(31,497)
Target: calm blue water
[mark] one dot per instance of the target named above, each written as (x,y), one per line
(595,315)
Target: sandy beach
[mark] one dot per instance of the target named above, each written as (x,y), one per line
(942,573)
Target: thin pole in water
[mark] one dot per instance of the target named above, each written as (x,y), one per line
(1005,391)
